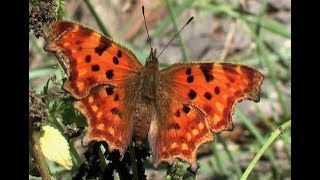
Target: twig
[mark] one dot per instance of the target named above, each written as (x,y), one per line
(36,149)
(228,42)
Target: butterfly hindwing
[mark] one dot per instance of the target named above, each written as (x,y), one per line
(106,117)
(178,134)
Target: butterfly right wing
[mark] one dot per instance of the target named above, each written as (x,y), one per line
(197,100)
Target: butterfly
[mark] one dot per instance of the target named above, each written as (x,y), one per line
(176,109)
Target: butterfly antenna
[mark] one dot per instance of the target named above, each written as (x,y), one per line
(145,24)
(190,19)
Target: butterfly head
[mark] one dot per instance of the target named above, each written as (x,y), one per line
(152,60)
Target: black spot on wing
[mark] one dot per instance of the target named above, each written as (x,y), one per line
(177,113)
(88,59)
(206,69)
(103,45)
(207,95)
(192,94)
(190,79)
(109,90)
(188,71)
(109,74)
(115,60)
(119,54)
(186,109)
(217,90)
(95,68)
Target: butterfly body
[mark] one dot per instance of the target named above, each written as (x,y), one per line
(177,109)
(142,96)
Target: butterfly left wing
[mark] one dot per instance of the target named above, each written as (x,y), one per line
(98,74)
(91,58)
(200,99)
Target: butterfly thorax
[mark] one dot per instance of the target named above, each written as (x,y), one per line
(150,76)
(141,97)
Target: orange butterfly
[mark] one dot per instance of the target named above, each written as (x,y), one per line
(178,108)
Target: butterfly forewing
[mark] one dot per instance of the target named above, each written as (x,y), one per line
(92,59)
(214,88)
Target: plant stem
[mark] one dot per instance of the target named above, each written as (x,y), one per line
(40,159)
(272,138)
(103,163)
(74,153)
(264,58)
(260,139)
(134,162)
(174,22)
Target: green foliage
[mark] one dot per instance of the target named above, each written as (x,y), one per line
(60,8)
(175,172)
